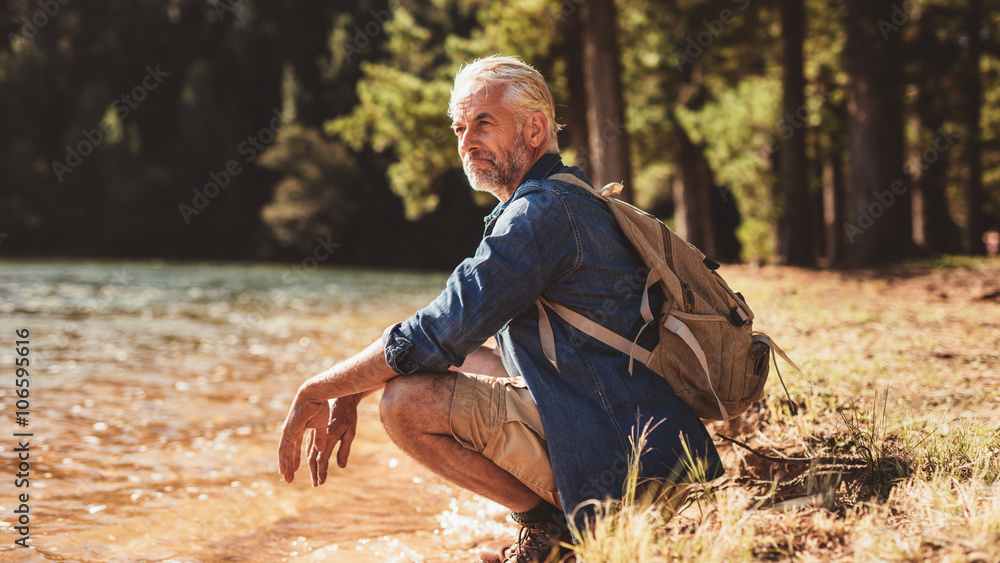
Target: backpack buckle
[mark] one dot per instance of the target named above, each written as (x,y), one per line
(738,317)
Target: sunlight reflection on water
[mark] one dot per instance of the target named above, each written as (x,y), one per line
(157,393)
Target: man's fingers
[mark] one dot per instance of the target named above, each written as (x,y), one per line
(314,469)
(300,417)
(288,458)
(311,452)
(317,463)
(321,437)
(288,454)
(345,447)
(323,459)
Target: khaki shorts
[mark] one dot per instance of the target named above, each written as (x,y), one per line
(498,418)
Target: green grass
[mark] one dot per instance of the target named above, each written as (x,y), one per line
(951,261)
(892,453)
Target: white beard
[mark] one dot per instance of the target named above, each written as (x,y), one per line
(503,173)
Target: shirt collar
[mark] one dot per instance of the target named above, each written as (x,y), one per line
(543,168)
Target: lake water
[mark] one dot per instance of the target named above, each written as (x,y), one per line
(157,391)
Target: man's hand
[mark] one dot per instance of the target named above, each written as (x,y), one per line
(302,416)
(352,379)
(342,428)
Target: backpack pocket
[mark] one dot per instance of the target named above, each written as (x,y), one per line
(706,363)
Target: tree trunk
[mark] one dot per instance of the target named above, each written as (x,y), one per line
(692,190)
(933,229)
(778,228)
(879,226)
(797,211)
(833,202)
(576,119)
(976,219)
(609,151)
(725,218)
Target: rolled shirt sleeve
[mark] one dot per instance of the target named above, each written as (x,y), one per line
(529,246)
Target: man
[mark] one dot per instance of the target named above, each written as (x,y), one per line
(544,444)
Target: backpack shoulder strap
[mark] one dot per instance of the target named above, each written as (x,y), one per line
(610,189)
(590,328)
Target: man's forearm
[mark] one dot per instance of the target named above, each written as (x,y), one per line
(363,373)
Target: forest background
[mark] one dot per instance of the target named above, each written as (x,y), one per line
(795,132)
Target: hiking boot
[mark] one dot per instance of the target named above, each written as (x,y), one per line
(536,543)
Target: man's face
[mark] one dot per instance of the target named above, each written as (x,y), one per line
(494,154)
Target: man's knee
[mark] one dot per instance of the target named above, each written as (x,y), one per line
(417,402)
(393,402)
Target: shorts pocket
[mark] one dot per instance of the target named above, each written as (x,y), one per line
(518,444)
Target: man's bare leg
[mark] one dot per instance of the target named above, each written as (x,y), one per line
(416,413)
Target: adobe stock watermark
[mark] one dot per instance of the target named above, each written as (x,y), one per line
(237,7)
(566,10)
(218,180)
(791,122)
(363,35)
(294,276)
(696,45)
(613,129)
(122,106)
(882,200)
(430,143)
(787,127)
(321,253)
(426,147)
(900,16)
(48,10)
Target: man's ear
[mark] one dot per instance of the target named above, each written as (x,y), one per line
(536,130)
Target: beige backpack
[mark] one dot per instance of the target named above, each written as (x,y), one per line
(708,351)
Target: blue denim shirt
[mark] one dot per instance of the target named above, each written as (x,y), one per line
(558,240)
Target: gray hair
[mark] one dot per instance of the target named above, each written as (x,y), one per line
(526,90)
